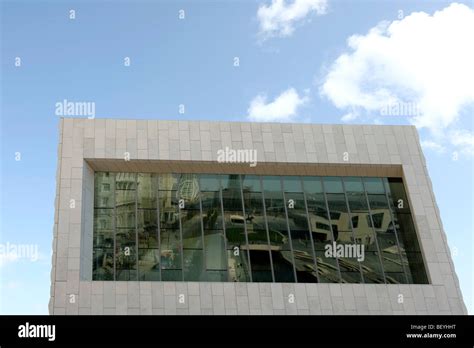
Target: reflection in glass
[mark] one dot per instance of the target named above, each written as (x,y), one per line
(193,268)
(342,231)
(103,228)
(320,227)
(125,254)
(146,191)
(211,210)
(214,246)
(282,257)
(241,228)
(103,264)
(148,264)
(261,268)
(191,227)
(364,234)
(170,249)
(168,209)
(104,190)
(386,238)
(300,238)
(147,228)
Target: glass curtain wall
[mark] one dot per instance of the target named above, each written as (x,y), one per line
(250,228)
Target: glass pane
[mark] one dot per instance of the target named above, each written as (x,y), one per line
(271,183)
(333,184)
(397,196)
(170,249)
(348,250)
(125,254)
(148,264)
(215,250)
(261,268)
(193,268)
(254,217)
(171,275)
(406,233)
(411,253)
(104,190)
(275,211)
(146,191)
(371,268)
(312,184)
(167,182)
(234,229)
(209,182)
(232,200)
(328,270)
(188,190)
(357,202)
(103,264)
(230,182)
(103,228)
(238,265)
(211,210)
(353,185)
(191,227)
(374,185)
(283,266)
(125,216)
(216,276)
(251,183)
(125,198)
(125,181)
(169,212)
(385,232)
(292,184)
(300,237)
(147,229)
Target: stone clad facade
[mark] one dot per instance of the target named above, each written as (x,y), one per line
(100,144)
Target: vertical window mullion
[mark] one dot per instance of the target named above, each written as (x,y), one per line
(330,226)
(202,228)
(288,230)
(310,230)
(226,257)
(245,227)
(181,247)
(374,231)
(266,227)
(136,225)
(114,222)
(349,213)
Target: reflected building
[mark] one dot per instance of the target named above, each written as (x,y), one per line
(262,230)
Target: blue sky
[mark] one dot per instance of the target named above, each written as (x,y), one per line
(296,63)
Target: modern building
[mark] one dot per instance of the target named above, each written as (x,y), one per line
(196,217)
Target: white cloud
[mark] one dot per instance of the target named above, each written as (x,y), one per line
(464,140)
(279,18)
(350,116)
(7,258)
(431,145)
(282,108)
(425,62)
